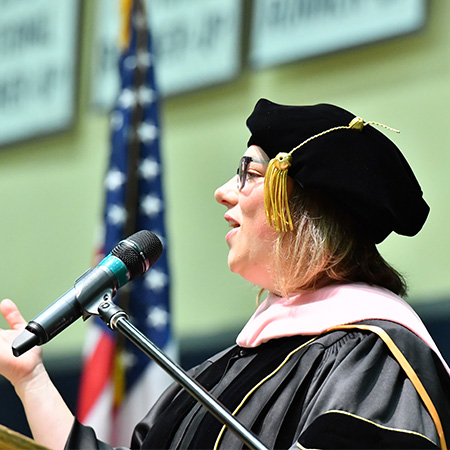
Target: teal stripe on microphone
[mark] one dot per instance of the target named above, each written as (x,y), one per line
(116,266)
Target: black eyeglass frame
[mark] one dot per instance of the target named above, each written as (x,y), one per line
(242,170)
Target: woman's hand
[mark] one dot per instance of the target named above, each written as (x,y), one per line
(49,417)
(18,370)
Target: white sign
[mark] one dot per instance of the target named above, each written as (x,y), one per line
(38,55)
(196,43)
(288,30)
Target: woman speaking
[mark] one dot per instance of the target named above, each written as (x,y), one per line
(333,357)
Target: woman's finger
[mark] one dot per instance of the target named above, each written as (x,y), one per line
(12,314)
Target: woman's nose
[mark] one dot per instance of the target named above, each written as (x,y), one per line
(227,194)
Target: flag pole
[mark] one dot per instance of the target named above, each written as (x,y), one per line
(117,319)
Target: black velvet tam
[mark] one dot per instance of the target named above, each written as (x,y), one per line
(363,170)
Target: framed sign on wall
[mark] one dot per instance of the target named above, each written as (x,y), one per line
(289,30)
(38,50)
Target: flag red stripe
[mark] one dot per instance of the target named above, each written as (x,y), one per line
(96,375)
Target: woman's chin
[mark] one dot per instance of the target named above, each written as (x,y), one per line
(232,265)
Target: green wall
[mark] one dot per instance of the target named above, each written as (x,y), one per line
(51,188)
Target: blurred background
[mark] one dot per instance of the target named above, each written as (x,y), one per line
(386,61)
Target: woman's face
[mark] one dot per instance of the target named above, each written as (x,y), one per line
(251,238)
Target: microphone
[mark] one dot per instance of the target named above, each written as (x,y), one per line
(130,259)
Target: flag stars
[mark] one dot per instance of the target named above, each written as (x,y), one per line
(149,169)
(151,205)
(129,63)
(156,280)
(116,121)
(128,359)
(146,96)
(116,215)
(114,179)
(158,317)
(144,59)
(127,99)
(147,132)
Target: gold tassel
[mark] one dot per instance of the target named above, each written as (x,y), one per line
(275,193)
(276,199)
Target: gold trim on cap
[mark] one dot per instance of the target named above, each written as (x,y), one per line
(276,202)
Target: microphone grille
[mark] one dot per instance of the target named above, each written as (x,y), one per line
(138,252)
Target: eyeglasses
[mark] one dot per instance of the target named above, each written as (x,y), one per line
(242,171)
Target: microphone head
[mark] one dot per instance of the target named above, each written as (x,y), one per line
(138,252)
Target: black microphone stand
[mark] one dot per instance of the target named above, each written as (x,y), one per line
(117,319)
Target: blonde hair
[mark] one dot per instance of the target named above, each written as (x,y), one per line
(327,246)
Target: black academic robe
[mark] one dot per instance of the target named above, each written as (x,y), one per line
(341,390)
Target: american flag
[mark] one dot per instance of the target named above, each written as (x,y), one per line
(119,383)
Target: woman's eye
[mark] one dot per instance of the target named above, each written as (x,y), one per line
(252,175)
